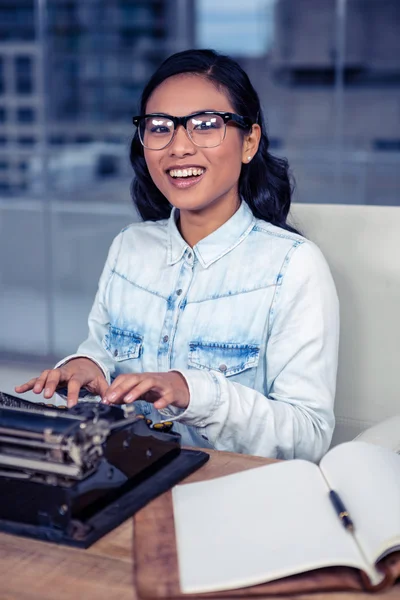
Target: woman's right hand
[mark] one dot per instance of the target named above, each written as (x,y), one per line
(75,374)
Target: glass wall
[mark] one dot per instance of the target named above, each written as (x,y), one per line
(327,71)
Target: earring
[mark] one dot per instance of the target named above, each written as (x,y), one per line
(249,158)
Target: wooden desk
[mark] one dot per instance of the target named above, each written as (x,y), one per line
(32,570)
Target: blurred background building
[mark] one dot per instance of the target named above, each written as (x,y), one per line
(71,74)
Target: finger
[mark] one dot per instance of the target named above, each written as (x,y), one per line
(74,387)
(140,389)
(121,386)
(24,387)
(52,381)
(102,387)
(164,401)
(40,382)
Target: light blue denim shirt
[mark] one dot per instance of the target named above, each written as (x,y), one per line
(249,316)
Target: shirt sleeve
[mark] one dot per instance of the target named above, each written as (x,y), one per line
(294,419)
(99,320)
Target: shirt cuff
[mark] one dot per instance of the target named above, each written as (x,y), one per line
(62,392)
(204,394)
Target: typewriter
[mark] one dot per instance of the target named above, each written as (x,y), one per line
(71,475)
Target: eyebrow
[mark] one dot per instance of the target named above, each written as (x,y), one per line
(207,110)
(194,112)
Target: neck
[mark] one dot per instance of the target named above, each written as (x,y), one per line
(195,225)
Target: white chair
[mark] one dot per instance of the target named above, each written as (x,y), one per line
(386,433)
(361,245)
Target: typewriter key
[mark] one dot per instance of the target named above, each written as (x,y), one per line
(165,427)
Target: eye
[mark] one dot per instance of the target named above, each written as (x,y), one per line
(199,124)
(159,129)
(159,126)
(205,123)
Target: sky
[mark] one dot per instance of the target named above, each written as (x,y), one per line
(239,27)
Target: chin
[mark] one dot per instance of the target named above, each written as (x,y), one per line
(185,202)
(191,207)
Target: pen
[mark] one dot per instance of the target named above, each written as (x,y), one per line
(341,511)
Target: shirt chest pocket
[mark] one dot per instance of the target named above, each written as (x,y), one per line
(233,360)
(123,344)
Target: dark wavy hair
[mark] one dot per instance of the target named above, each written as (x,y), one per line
(264,183)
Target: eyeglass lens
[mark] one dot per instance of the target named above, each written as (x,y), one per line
(206,131)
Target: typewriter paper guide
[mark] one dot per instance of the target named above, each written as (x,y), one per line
(267,523)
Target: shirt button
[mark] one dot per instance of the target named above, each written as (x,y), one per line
(165,339)
(189,255)
(223,368)
(178,292)
(115,352)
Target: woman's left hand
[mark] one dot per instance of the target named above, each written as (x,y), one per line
(162,389)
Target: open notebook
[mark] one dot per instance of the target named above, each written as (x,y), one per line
(278,520)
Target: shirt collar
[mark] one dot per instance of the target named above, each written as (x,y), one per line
(217,244)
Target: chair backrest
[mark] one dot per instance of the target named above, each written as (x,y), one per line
(362,247)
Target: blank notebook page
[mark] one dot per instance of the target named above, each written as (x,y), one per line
(256,526)
(376,514)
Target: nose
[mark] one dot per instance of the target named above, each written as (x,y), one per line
(181,144)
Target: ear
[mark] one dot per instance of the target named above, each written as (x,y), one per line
(251,142)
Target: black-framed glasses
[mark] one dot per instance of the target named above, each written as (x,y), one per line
(205,129)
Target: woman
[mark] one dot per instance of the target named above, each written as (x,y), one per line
(216,314)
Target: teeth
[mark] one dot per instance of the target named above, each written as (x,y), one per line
(186,172)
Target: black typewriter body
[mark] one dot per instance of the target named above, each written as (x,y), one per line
(70,476)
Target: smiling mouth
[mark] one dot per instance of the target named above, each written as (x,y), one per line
(191,172)
(185,178)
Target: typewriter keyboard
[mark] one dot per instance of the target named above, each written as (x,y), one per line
(14,402)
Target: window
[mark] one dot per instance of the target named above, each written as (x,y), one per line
(57,140)
(83,139)
(16,20)
(23,75)
(26,140)
(25,115)
(1,76)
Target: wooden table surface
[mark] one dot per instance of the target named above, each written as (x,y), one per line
(30,569)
